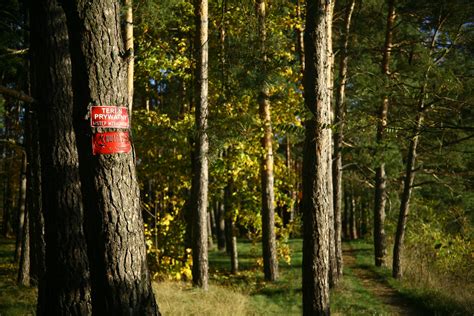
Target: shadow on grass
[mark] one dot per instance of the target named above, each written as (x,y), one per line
(424,301)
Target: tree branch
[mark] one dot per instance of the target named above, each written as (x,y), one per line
(16,94)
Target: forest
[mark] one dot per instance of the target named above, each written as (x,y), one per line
(222,157)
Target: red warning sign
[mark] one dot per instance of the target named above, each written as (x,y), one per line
(110,143)
(109,116)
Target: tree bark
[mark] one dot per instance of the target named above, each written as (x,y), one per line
(231,239)
(24,270)
(200,181)
(397,270)
(64,287)
(270,262)
(120,279)
(21,209)
(340,113)
(380,247)
(129,51)
(353,217)
(317,188)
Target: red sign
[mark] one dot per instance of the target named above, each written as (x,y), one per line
(110,143)
(109,116)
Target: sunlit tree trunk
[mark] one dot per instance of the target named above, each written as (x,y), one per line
(339,122)
(397,269)
(130,52)
(113,221)
(270,262)
(380,247)
(200,182)
(317,188)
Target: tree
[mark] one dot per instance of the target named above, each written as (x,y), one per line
(317,188)
(120,280)
(200,176)
(339,122)
(65,286)
(380,247)
(270,262)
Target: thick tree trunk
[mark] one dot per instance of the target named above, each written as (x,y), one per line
(64,287)
(380,247)
(200,181)
(110,194)
(317,188)
(270,262)
(340,113)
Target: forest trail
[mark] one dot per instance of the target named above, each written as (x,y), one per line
(395,304)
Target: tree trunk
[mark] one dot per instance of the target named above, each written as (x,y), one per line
(24,270)
(221,243)
(210,242)
(21,209)
(380,247)
(129,51)
(231,239)
(317,188)
(300,37)
(345,218)
(64,286)
(397,271)
(113,221)
(353,217)
(270,262)
(340,113)
(200,181)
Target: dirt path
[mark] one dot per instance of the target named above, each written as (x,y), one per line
(395,303)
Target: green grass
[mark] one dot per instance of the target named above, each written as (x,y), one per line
(14,300)
(247,293)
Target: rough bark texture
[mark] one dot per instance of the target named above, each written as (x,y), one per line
(130,52)
(113,221)
(380,247)
(317,188)
(339,122)
(270,262)
(200,181)
(64,287)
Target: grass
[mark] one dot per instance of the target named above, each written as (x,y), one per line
(247,293)
(14,300)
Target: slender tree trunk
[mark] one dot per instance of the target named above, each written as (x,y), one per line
(24,270)
(380,247)
(22,209)
(397,271)
(221,241)
(317,188)
(113,221)
(64,286)
(231,239)
(353,217)
(300,37)
(340,113)
(345,219)
(270,262)
(210,242)
(130,52)
(200,181)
